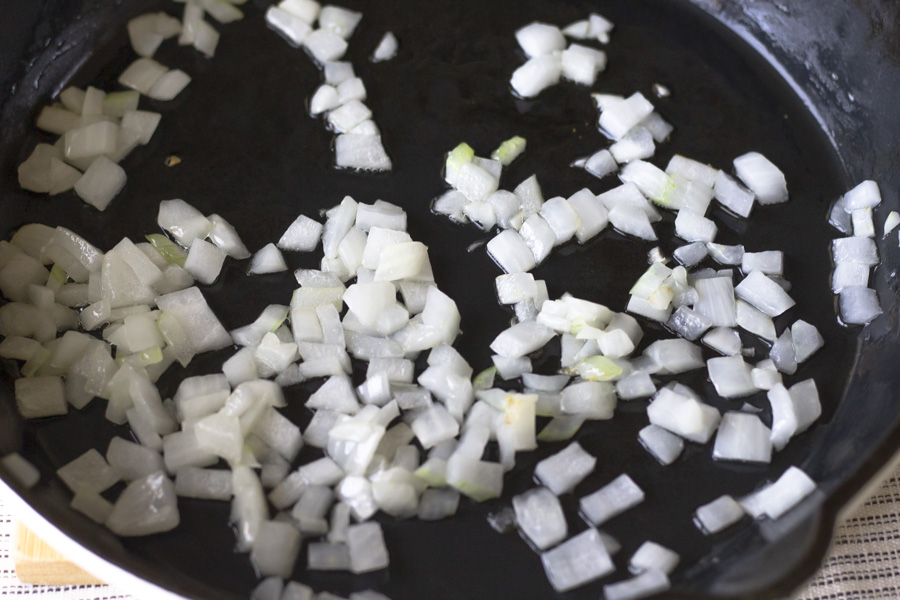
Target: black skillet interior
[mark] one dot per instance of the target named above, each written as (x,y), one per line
(808,86)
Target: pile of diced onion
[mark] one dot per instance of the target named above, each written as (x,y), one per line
(99,129)
(855,255)
(341,98)
(412,438)
(706,304)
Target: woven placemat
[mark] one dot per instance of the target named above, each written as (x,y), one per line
(863,563)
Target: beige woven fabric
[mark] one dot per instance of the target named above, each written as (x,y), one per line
(864,560)
(863,564)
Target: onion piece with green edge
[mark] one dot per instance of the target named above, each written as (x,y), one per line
(509,150)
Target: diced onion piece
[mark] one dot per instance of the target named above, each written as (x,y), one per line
(477,479)
(863,225)
(864,195)
(100,183)
(276,548)
(20,469)
(267,259)
(856,250)
(509,150)
(169,85)
(683,415)
(731,376)
(632,220)
(650,180)
(688,323)
(577,561)
(143,33)
(692,170)
(805,339)
(510,252)
(752,320)
(600,164)
(743,437)
(763,293)
(733,196)
(592,215)
(675,356)
(324,45)
(386,48)
(662,445)
(891,222)
(521,339)
(142,74)
(777,498)
(651,556)
(183,221)
(621,494)
(303,235)
(581,64)
(290,26)
(763,177)
(34,173)
(222,11)
(147,506)
(56,120)
(91,140)
(324,99)
(202,327)
(538,236)
(721,513)
(859,305)
(348,116)
(536,75)
(646,584)
(307,10)
(204,261)
(361,151)
(635,145)
(564,470)
(770,262)
(540,517)
(142,121)
(619,118)
(539,39)
(694,227)
(600,27)
(226,238)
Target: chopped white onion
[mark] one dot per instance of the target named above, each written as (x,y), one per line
(612,499)
(761,176)
(386,48)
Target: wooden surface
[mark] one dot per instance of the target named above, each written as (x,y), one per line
(39,564)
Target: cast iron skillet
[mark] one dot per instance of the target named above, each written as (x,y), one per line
(812,85)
